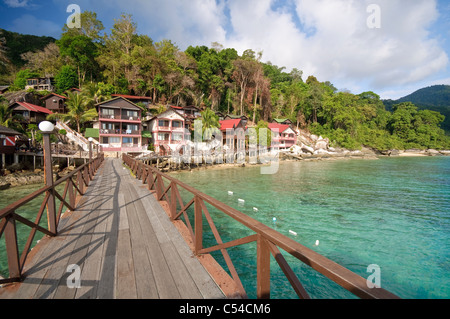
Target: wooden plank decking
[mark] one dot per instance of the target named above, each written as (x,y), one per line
(125,246)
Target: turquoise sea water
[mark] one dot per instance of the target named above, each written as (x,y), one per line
(392,212)
(29,211)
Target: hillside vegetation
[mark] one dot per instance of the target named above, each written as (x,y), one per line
(218,78)
(435,98)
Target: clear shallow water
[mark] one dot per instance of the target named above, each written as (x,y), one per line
(29,211)
(393,212)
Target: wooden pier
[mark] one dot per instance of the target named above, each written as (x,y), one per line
(123,244)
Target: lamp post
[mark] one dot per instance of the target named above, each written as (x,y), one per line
(46,129)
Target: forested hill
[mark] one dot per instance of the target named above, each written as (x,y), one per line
(435,98)
(17,44)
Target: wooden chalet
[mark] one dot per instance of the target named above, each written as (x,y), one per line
(120,128)
(55,103)
(31,114)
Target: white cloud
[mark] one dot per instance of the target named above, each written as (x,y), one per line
(334,43)
(329,39)
(16,3)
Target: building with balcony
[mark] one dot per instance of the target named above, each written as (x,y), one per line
(169,131)
(283,136)
(40,84)
(119,125)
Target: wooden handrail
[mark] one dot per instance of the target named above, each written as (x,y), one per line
(8,217)
(268,240)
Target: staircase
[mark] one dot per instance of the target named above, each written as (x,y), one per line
(74,136)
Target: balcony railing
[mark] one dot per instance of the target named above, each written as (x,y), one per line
(119,117)
(120,132)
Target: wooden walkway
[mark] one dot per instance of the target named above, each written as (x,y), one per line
(125,246)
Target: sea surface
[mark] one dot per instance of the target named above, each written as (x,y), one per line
(390,212)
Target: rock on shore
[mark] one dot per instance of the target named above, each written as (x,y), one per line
(18,179)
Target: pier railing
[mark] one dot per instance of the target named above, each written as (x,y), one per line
(75,183)
(268,241)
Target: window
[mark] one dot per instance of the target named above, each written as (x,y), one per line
(128,114)
(114,140)
(163,123)
(127,140)
(177,124)
(107,111)
(177,137)
(131,128)
(111,140)
(107,126)
(163,137)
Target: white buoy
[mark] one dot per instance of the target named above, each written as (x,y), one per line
(230,193)
(317,242)
(255,209)
(292,233)
(241,200)
(274,219)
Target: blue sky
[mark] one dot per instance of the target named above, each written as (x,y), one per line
(329,39)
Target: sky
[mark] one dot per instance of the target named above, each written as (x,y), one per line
(390,47)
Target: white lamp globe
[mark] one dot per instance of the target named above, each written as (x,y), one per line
(46,127)
(90,139)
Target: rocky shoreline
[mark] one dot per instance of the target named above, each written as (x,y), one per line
(21,177)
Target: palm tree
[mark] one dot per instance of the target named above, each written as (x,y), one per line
(79,112)
(7,118)
(95,93)
(210,124)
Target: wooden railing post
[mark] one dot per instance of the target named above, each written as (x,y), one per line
(173,201)
(198,225)
(48,174)
(12,248)
(263,268)
(71,193)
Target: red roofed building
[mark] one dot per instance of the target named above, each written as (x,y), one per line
(283,135)
(233,133)
(32,114)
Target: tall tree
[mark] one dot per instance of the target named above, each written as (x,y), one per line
(91,27)
(82,51)
(121,39)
